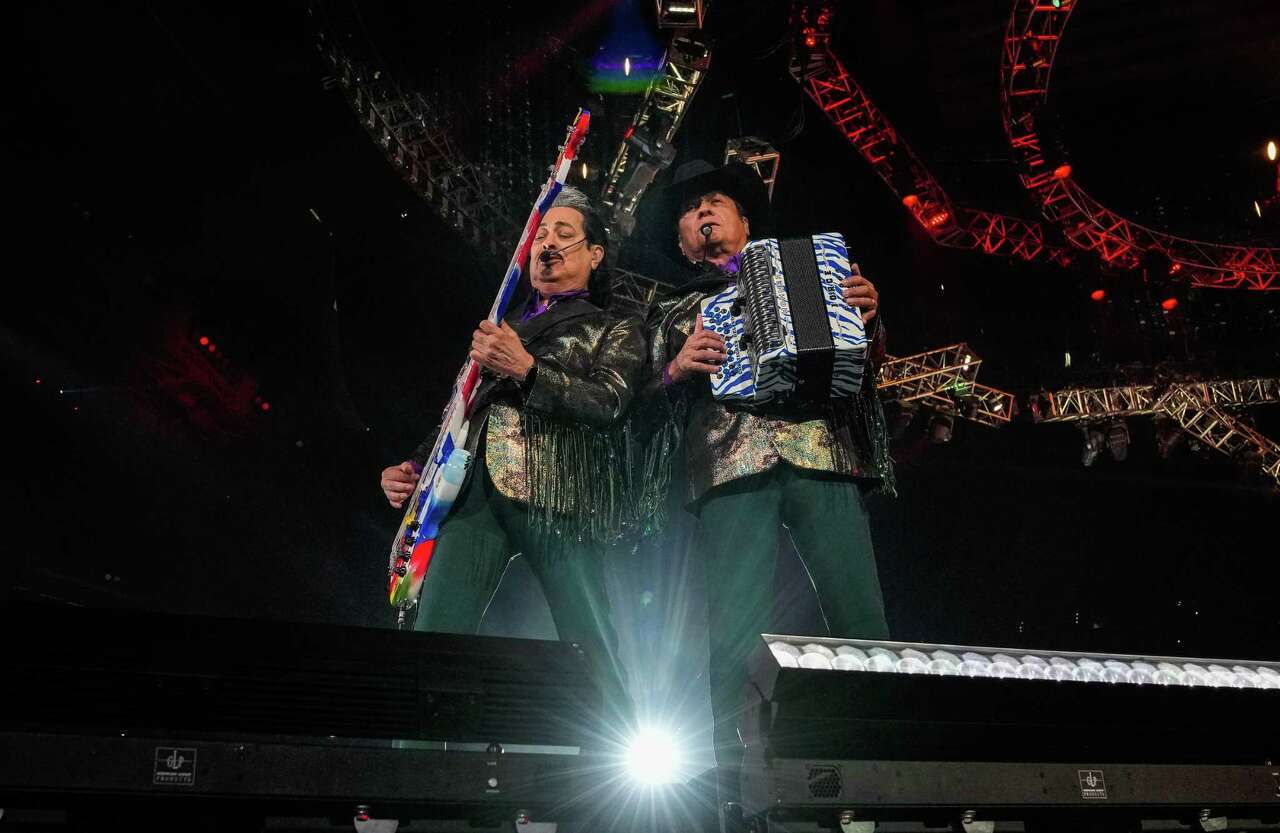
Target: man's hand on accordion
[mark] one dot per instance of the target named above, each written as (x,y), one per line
(703,352)
(861,293)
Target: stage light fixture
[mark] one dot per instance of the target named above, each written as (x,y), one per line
(653,757)
(626,66)
(950,661)
(1094,442)
(1098,294)
(940,428)
(1271,151)
(1257,209)
(204,341)
(1169,304)
(1168,436)
(1062,172)
(585,170)
(1118,441)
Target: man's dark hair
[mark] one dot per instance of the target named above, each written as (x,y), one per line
(601,283)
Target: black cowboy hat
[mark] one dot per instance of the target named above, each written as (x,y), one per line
(735,179)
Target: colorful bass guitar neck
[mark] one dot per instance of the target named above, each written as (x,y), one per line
(446,470)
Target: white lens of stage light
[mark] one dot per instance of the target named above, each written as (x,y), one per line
(1085,662)
(944,668)
(1198,675)
(1111,675)
(1087,674)
(1031,671)
(813,659)
(1248,675)
(785,659)
(653,757)
(851,651)
(1139,677)
(1269,672)
(1032,659)
(974,668)
(914,654)
(912,665)
(1229,680)
(1061,673)
(1062,663)
(848,662)
(946,656)
(815,648)
(883,652)
(880,662)
(785,647)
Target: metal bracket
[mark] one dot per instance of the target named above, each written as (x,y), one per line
(525,825)
(849,824)
(969,821)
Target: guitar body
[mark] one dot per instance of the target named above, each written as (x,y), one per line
(445,472)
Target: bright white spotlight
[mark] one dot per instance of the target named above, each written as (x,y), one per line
(653,757)
(1271,151)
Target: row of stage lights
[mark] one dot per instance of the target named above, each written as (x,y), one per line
(943,663)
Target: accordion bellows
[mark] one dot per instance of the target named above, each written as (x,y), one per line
(787,330)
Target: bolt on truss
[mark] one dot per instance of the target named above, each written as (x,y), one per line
(1203,410)
(1032,37)
(759,154)
(840,97)
(946,379)
(405,126)
(646,148)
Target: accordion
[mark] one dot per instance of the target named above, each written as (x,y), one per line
(787,329)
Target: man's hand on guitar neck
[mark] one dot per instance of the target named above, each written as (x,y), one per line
(398,483)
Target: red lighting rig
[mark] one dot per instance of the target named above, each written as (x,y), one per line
(1031,42)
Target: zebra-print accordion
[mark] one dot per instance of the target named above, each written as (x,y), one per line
(786,327)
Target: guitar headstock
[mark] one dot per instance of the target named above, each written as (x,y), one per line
(577,134)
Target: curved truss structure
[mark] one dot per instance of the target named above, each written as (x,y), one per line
(852,111)
(1031,42)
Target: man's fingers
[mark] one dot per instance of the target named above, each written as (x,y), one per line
(697,324)
(704,367)
(487,326)
(854,270)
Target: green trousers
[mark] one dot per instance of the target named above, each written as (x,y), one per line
(737,538)
(482,534)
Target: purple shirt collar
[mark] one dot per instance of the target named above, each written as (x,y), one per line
(732,265)
(538,304)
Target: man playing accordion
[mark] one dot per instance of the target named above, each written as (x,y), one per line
(804,465)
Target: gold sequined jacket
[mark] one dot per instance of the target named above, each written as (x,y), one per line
(727,441)
(557,441)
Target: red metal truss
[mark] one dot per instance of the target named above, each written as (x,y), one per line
(1031,42)
(852,111)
